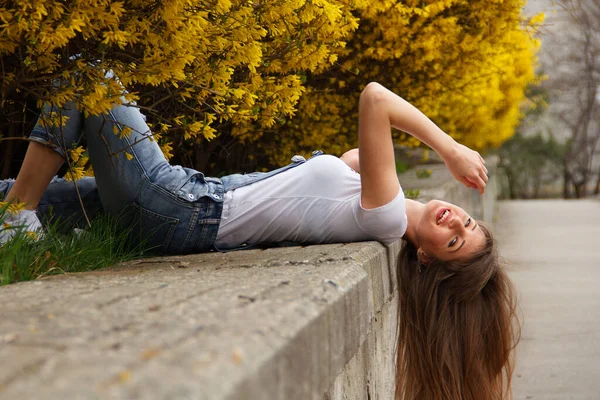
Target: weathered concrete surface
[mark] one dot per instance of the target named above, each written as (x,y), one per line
(370,374)
(553,248)
(262,324)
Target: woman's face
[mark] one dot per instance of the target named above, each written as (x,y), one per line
(446,232)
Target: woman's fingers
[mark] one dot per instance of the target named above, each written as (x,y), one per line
(482,163)
(468,183)
(476,182)
(480,184)
(483,175)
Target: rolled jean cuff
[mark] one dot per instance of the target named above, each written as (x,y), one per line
(42,137)
(5,186)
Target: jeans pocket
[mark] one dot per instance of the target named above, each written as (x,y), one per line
(194,188)
(148,229)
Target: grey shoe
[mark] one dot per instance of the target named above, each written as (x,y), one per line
(26,220)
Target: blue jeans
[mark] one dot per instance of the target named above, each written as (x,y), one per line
(169,209)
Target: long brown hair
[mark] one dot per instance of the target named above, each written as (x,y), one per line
(457,327)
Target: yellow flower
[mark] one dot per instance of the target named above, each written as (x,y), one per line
(125,132)
(32,235)
(167,150)
(76,153)
(74,174)
(12,208)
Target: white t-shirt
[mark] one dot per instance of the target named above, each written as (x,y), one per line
(316,202)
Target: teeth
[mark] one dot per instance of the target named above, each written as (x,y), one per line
(444,215)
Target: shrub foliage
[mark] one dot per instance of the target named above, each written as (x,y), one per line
(464,64)
(276,76)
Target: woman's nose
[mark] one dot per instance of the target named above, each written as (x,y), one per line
(451,223)
(455,223)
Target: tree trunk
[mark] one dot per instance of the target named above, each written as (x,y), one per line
(579,188)
(566,183)
(536,183)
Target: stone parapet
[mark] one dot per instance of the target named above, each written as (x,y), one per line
(316,322)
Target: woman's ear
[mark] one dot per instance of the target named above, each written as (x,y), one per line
(424,259)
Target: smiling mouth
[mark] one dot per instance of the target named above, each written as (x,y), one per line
(442,215)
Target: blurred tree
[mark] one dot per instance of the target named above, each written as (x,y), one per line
(575,88)
(530,162)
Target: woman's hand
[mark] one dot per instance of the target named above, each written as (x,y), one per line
(467,166)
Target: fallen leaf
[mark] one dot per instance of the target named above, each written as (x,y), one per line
(124,376)
(150,353)
(237,357)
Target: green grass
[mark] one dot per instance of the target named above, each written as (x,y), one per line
(401,167)
(101,245)
(412,193)
(423,173)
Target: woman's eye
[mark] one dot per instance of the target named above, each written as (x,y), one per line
(468,222)
(452,242)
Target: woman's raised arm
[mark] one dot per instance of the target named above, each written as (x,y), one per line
(379,110)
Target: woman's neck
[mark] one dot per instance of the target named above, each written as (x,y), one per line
(414,212)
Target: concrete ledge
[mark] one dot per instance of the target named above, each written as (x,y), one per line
(276,323)
(315,322)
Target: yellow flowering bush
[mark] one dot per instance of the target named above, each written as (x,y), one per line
(465,64)
(196,67)
(278,76)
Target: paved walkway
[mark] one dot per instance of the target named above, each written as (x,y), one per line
(554,249)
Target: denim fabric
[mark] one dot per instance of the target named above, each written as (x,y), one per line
(59,138)
(170,209)
(61,201)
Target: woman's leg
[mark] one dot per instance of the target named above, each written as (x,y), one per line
(135,181)
(70,203)
(125,157)
(47,149)
(62,201)
(39,167)
(118,177)
(44,157)
(169,209)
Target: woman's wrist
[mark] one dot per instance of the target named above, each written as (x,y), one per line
(447,146)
